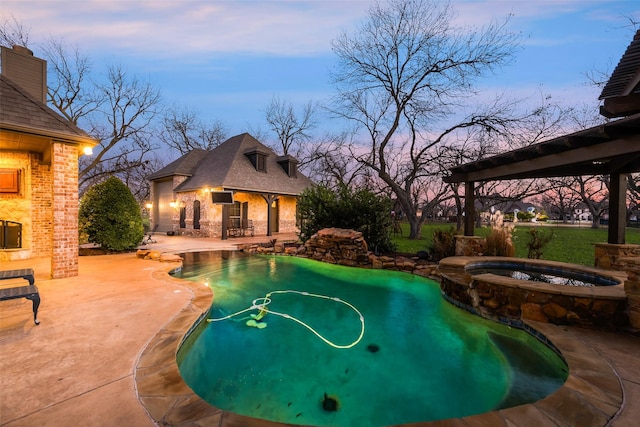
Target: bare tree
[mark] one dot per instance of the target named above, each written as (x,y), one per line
(69,87)
(559,199)
(182,130)
(122,122)
(115,108)
(594,193)
(327,161)
(291,128)
(13,33)
(405,76)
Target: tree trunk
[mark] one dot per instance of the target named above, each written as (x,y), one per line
(415,226)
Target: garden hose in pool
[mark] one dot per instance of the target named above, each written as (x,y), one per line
(261,304)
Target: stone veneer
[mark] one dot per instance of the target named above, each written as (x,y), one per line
(31,207)
(621,257)
(608,255)
(211,214)
(469,245)
(632,288)
(510,300)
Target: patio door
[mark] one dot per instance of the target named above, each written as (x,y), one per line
(245,212)
(162,212)
(275,216)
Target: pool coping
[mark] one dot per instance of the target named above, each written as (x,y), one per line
(592,395)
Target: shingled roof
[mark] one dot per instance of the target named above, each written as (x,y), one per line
(21,112)
(621,94)
(228,166)
(183,166)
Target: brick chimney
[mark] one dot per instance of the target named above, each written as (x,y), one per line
(24,69)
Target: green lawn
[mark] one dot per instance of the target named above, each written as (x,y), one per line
(569,244)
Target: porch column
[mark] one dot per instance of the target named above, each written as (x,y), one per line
(64,175)
(617,208)
(269,198)
(225,222)
(469,208)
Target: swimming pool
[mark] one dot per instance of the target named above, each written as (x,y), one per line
(415,357)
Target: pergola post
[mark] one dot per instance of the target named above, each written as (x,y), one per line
(617,208)
(469,208)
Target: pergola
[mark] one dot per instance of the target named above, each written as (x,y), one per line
(611,149)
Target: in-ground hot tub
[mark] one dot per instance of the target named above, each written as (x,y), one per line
(515,289)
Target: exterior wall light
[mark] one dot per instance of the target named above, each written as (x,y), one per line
(87,150)
(148,205)
(173,203)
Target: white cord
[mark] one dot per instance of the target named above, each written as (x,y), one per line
(261,305)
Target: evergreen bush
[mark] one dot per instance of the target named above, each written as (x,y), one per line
(360,210)
(110,216)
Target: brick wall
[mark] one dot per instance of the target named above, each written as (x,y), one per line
(42,201)
(64,164)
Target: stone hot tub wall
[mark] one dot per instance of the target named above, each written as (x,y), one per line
(510,300)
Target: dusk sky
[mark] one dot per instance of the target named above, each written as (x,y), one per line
(227,59)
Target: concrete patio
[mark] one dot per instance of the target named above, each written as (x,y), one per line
(79,366)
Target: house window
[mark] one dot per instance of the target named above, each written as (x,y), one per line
(261,163)
(196,215)
(183,217)
(291,169)
(235,215)
(258,159)
(288,164)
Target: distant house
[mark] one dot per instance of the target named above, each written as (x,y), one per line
(222,192)
(581,213)
(506,206)
(39,152)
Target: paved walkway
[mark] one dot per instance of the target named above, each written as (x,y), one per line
(77,367)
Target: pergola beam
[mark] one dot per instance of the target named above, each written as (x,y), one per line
(611,149)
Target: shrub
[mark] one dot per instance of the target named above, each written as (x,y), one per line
(525,216)
(499,242)
(110,216)
(360,210)
(444,244)
(537,241)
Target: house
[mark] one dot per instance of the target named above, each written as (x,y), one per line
(39,153)
(220,192)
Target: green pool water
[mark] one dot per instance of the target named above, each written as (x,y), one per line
(419,359)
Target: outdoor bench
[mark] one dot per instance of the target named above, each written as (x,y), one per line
(29,292)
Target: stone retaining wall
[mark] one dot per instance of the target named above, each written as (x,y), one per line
(345,247)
